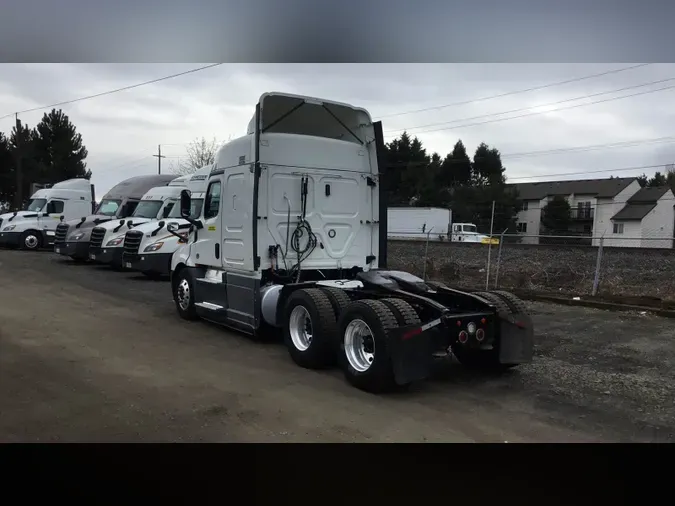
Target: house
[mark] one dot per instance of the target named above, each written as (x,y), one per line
(647,220)
(617,209)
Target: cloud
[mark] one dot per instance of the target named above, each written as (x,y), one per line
(122,130)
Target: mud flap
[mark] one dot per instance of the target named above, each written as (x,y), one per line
(516,339)
(411,355)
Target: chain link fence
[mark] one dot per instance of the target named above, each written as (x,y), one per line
(629,270)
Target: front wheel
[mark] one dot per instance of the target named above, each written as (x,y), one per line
(30,240)
(183,295)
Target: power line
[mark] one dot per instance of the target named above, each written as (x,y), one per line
(537,106)
(559,83)
(113,91)
(549,111)
(591,147)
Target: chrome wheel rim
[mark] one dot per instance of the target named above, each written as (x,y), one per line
(183,294)
(359,345)
(31,241)
(300,328)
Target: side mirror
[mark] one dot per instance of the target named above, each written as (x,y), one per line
(172,227)
(185,203)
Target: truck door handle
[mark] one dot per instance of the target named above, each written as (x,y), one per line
(217,251)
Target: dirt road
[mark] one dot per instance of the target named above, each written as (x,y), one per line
(87,354)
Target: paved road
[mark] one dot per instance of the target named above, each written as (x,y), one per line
(87,354)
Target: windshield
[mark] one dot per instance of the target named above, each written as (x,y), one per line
(195,209)
(147,209)
(36,205)
(108,207)
(469,228)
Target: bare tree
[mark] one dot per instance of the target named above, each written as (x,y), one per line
(199,153)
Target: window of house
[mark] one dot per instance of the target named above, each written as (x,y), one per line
(524,205)
(618,228)
(521,227)
(212,200)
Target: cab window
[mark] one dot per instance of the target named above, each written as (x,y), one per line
(212,200)
(55,207)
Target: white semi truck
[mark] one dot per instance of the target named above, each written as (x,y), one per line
(72,237)
(293,236)
(106,242)
(148,248)
(35,227)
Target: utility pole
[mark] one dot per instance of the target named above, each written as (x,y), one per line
(18,195)
(159,158)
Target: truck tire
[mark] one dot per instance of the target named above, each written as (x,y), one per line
(516,304)
(310,329)
(487,360)
(30,240)
(404,313)
(364,353)
(338,299)
(502,307)
(183,295)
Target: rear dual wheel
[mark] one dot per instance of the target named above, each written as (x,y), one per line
(322,324)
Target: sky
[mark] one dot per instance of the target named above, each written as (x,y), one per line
(122,131)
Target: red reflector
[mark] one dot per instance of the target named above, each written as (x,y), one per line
(483,321)
(412,333)
(459,323)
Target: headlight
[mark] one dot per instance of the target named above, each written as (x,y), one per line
(7,229)
(115,242)
(153,247)
(78,236)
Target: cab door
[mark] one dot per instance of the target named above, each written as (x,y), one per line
(51,214)
(207,250)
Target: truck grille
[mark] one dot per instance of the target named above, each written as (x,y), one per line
(61,233)
(132,241)
(97,235)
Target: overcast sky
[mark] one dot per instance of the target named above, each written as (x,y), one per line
(122,130)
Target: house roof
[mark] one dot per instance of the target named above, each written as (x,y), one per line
(640,204)
(634,212)
(649,195)
(601,188)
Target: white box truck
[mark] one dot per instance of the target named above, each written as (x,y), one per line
(293,236)
(72,237)
(415,223)
(106,242)
(35,227)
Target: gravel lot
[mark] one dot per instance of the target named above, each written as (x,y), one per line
(88,354)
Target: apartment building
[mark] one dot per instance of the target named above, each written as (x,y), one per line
(617,209)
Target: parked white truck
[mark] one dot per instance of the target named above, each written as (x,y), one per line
(293,236)
(106,242)
(72,237)
(35,227)
(432,223)
(148,248)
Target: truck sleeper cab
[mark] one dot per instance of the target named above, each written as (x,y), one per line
(105,245)
(72,237)
(149,247)
(35,227)
(293,237)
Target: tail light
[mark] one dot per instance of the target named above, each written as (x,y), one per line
(480,335)
(463,336)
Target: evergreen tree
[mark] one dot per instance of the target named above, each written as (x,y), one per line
(487,166)
(6,173)
(21,144)
(58,150)
(556,215)
(406,160)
